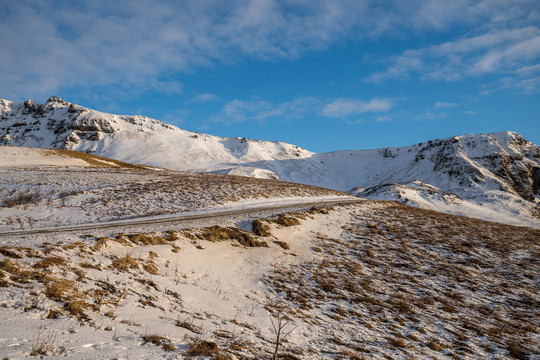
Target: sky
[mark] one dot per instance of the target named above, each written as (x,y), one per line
(323,75)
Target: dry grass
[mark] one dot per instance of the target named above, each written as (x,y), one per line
(151,268)
(283,244)
(397,268)
(260,228)
(188,324)
(61,290)
(51,261)
(205,348)
(286,220)
(218,233)
(22,198)
(125,263)
(162,341)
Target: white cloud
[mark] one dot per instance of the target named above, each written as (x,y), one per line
(498,52)
(429,115)
(237,111)
(203,98)
(135,45)
(347,107)
(445,105)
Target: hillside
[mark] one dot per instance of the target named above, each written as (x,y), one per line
(490,176)
(375,280)
(46,188)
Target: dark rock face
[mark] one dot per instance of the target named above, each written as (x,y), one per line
(536,180)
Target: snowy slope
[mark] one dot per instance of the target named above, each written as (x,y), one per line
(134,139)
(375,280)
(498,172)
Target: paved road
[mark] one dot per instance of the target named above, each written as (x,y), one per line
(182,220)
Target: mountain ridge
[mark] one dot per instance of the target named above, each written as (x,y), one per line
(498,169)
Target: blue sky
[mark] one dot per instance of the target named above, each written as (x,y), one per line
(323,75)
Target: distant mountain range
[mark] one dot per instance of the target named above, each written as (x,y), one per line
(492,176)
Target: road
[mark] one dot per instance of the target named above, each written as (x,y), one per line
(183,220)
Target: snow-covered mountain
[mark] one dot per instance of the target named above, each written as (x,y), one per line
(494,176)
(135,139)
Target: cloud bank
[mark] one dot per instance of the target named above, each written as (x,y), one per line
(129,46)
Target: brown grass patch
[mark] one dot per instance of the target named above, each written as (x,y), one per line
(260,228)
(202,348)
(162,341)
(125,263)
(283,244)
(76,307)
(151,268)
(60,289)
(217,233)
(145,239)
(8,252)
(51,261)
(287,221)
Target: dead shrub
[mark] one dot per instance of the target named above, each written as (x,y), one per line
(251,242)
(89,265)
(22,198)
(11,267)
(6,251)
(260,228)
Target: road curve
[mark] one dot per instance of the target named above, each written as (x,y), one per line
(180,217)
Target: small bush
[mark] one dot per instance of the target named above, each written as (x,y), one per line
(260,228)
(22,199)
(11,267)
(287,221)
(57,289)
(77,308)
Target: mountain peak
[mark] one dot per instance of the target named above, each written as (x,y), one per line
(55,100)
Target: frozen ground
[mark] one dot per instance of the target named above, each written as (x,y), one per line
(58,188)
(376,280)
